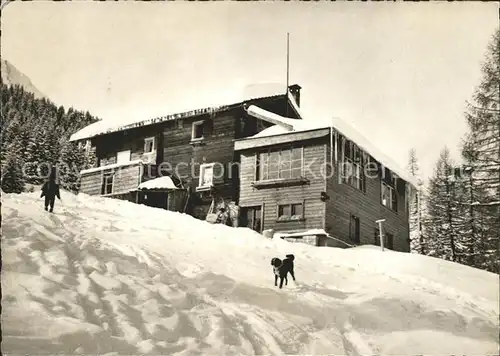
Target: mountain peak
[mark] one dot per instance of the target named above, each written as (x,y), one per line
(12,76)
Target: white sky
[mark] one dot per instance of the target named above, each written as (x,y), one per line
(399,72)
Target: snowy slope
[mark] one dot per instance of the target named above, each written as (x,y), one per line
(104,276)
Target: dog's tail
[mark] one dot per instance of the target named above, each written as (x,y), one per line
(290,256)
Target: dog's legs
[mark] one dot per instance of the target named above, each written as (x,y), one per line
(286,280)
(293,274)
(275,280)
(281,282)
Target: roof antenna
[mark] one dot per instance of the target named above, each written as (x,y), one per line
(287,70)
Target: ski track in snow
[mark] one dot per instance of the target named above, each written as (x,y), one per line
(110,277)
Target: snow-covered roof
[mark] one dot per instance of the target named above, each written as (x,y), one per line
(250,92)
(300,233)
(110,166)
(158,183)
(270,117)
(290,125)
(272,131)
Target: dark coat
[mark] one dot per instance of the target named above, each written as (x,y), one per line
(51,190)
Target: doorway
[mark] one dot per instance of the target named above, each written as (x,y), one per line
(251,217)
(154,199)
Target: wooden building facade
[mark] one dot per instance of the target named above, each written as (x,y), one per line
(321,180)
(195,148)
(251,155)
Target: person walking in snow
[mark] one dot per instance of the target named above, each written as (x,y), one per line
(50,190)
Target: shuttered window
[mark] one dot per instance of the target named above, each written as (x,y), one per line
(353,164)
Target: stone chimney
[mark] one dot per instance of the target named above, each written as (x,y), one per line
(295,91)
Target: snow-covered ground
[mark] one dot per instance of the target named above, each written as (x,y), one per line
(102,276)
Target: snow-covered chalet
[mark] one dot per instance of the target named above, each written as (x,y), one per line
(180,161)
(320,183)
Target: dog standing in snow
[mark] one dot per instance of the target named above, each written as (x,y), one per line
(282,268)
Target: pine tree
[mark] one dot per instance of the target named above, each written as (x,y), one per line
(10,131)
(90,158)
(55,140)
(417,237)
(481,151)
(12,172)
(34,132)
(72,161)
(473,231)
(466,220)
(12,128)
(443,222)
(39,157)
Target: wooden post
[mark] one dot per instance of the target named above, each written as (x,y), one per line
(380,233)
(287,71)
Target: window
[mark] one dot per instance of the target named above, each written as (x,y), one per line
(197,131)
(280,164)
(353,166)
(123,157)
(284,211)
(206,175)
(149,145)
(107,184)
(388,190)
(291,211)
(389,196)
(273,168)
(354,229)
(297,210)
(258,166)
(352,174)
